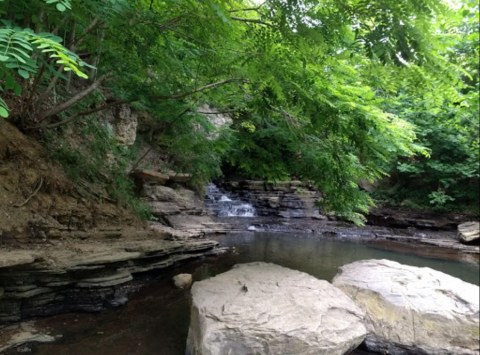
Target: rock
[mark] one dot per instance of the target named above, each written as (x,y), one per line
(182,280)
(152,176)
(22,333)
(17,257)
(126,122)
(261,308)
(180,177)
(286,199)
(413,310)
(468,232)
(90,278)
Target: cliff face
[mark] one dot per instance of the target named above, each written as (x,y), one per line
(64,249)
(39,202)
(290,199)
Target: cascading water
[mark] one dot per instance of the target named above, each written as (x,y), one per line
(224,206)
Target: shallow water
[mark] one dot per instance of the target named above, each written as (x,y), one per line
(156,320)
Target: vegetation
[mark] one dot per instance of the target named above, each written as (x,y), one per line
(334,92)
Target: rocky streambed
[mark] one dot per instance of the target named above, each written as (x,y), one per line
(94,270)
(84,277)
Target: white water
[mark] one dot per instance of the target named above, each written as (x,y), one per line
(223,205)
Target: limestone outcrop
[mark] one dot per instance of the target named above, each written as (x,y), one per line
(70,276)
(413,310)
(174,205)
(469,232)
(261,308)
(290,199)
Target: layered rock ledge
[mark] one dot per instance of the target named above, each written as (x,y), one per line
(67,276)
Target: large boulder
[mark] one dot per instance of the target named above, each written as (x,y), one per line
(469,232)
(261,308)
(413,310)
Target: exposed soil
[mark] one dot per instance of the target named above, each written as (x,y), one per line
(39,202)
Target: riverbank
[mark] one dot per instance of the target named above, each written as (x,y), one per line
(104,271)
(157,316)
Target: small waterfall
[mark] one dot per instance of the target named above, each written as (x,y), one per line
(224,206)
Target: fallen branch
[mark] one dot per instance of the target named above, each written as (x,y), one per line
(137,163)
(33,194)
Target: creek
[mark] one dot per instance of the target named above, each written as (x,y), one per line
(156,319)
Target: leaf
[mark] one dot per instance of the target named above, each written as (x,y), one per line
(23,73)
(61,7)
(3,112)
(17,89)
(3,58)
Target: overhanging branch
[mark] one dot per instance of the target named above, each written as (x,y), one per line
(200,89)
(251,20)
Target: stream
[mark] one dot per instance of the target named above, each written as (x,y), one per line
(156,319)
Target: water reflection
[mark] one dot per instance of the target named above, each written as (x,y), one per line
(321,257)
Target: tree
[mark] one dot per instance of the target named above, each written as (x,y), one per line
(23,50)
(313,87)
(446,116)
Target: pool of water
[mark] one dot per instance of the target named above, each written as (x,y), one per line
(156,320)
(321,257)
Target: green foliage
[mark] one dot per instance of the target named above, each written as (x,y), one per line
(61,5)
(97,164)
(333,92)
(17,47)
(449,178)
(446,116)
(22,49)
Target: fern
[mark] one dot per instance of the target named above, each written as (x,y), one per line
(17,49)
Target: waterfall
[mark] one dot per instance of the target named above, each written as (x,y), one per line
(223,205)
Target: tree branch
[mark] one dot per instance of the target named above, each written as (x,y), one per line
(74,99)
(95,22)
(50,86)
(251,20)
(200,89)
(217,112)
(80,114)
(33,194)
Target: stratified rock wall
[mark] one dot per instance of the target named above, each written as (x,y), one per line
(290,199)
(92,277)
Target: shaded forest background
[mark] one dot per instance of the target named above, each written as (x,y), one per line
(343,93)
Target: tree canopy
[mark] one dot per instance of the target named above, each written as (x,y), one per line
(333,92)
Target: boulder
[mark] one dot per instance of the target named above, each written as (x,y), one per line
(182,280)
(261,308)
(413,310)
(469,232)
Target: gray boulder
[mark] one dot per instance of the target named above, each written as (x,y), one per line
(413,310)
(468,232)
(261,308)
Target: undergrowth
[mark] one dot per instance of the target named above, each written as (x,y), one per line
(96,163)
